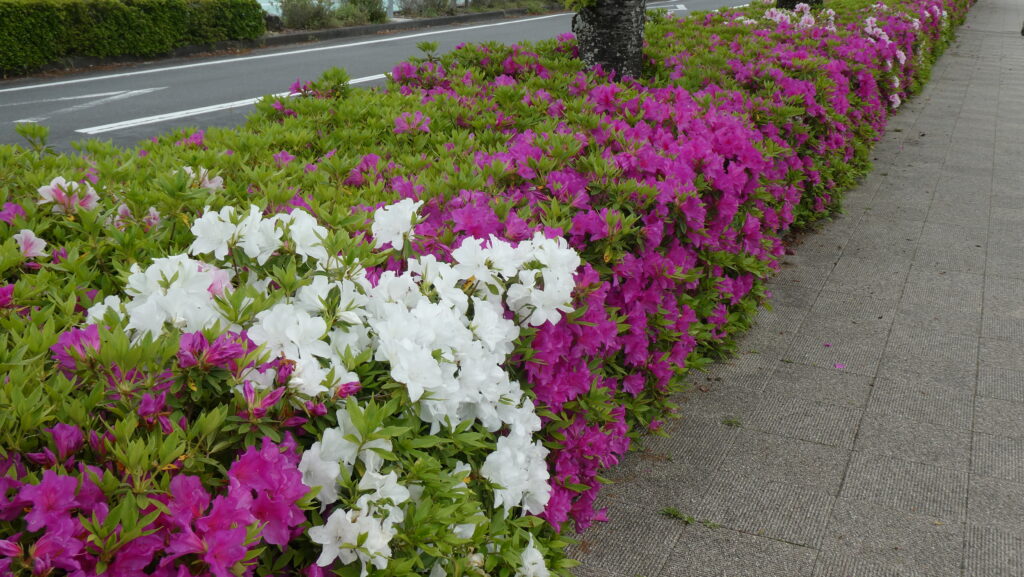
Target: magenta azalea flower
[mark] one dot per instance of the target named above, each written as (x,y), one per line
(6,296)
(224,548)
(75,344)
(196,351)
(50,500)
(189,500)
(10,212)
(67,438)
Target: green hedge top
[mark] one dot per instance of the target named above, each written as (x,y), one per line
(35,33)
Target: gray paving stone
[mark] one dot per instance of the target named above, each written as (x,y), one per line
(819,385)
(996,503)
(884,238)
(899,209)
(648,483)
(998,457)
(838,344)
(920,400)
(907,486)
(917,349)
(790,461)
(835,565)
(862,311)
(789,291)
(992,552)
(693,440)
(1001,354)
(795,270)
(855,275)
(881,535)
(624,547)
(913,441)
(937,297)
(1004,308)
(767,508)
(999,417)
(704,552)
(997,383)
(953,247)
(804,419)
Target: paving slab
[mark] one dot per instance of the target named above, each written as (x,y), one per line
(872,424)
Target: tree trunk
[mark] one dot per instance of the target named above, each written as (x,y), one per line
(611,33)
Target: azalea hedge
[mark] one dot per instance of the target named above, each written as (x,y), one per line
(38,33)
(403,331)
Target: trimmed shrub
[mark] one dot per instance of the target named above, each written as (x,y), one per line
(404,331)
(36,33)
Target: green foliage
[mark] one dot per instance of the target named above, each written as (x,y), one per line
(37,33)
(308,14)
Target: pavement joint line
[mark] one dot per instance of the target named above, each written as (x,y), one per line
(284,53)
(198,111)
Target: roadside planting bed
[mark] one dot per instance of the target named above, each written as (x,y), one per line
(404,331)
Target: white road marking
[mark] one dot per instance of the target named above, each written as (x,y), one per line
(62,98)
(197,111)
(278,54)
(29,120)
(92,104)
(679,7)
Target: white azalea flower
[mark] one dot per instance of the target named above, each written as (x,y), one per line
(320,472)
(392,224)
(385,492)
(340,535)
(259,238)
(519,467)
(99,310)
(285,329)
(307,235)
(532,562)
(214,232)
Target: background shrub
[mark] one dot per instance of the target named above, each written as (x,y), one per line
(308,14)
(36,33)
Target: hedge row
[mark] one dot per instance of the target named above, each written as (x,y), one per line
(341,337)
(37,33)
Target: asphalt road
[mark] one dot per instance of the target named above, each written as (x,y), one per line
(133,103)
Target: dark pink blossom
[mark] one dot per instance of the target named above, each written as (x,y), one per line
(51,500)
(75,344)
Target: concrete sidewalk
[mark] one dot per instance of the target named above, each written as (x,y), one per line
(909,459)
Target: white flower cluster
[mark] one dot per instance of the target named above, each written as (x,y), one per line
(218,232)
(175,290)
(445,330)
(377,510)
(394,223)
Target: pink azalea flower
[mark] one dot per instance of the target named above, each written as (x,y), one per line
(10,212)
(6,296)
(67,438)
(65,195)
(51,500)
(224,548)
(188,501)
(30,245)
(196,350)
(74,344)
(283,158)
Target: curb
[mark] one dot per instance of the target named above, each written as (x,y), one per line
(74,63)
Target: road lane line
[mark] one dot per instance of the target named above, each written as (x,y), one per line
(277,54)
(197,111)
(107,100)
(62,98)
